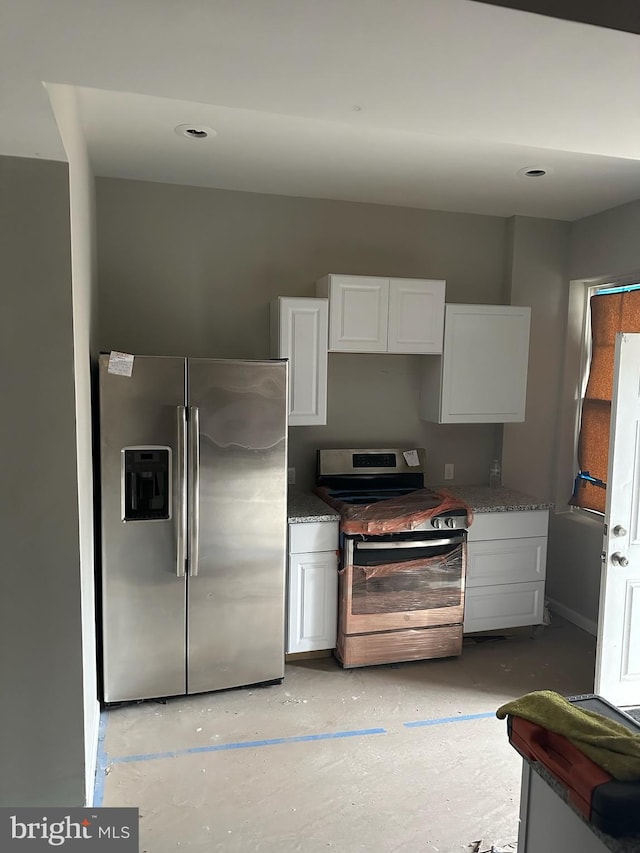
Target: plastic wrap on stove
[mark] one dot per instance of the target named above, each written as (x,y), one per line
(394,515)
(424,584)
(411,644)
(401,611)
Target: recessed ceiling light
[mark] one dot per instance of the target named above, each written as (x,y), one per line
(195,131)
(532,172)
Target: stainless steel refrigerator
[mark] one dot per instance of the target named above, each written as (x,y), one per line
(193,505)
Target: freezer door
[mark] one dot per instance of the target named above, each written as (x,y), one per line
(143,602)
(238,433)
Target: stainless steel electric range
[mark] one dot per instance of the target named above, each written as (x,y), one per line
(402,556)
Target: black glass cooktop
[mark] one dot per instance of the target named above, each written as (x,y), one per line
(364,497)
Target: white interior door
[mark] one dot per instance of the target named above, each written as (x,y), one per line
(618,649)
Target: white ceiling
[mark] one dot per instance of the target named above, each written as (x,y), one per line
(454,97)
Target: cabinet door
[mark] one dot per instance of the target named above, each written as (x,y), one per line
(481,376)
(506,561)
(416,315)
(313,601)
(485,360)
(509,605)
(299,330)
(358,313)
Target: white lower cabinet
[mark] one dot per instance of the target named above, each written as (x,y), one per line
(506,567)
(312,587)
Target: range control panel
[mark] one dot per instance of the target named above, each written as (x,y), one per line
(363,461)
(374,460)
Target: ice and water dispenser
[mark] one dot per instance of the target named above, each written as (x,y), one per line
(146,483)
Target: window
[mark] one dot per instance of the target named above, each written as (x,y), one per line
(612,310)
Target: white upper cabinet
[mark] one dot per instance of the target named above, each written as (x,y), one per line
(299,333)
(373,314)
(358,312)
(481,376)
(416,315)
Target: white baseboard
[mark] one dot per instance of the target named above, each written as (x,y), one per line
(573,616)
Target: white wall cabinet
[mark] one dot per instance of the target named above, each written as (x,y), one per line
(299,333)
(374,314)
(312,587)
(506,568)
(481,376)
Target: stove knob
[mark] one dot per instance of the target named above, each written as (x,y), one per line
(437,523)
(450,522)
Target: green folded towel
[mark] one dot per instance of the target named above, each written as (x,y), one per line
(607,743)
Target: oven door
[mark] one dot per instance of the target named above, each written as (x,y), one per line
(407,580)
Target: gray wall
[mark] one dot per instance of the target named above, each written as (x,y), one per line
(538,455)
(538,278)
(535,459)
(184,270)
(191,271)
(41,713)
(604,246)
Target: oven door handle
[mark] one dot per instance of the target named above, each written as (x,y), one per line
(406,543)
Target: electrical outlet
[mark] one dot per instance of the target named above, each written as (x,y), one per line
(448,470)
(291,476)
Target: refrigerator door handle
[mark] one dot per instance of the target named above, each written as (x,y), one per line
(194,496)
(181,515)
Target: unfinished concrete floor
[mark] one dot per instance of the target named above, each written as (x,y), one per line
(408,757)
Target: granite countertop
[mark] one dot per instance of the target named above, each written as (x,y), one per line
(305,506)
(495,499)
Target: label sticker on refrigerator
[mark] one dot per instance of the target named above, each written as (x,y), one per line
(411,457)
(120,363)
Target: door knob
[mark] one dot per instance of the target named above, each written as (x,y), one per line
(619,559)
(619,530)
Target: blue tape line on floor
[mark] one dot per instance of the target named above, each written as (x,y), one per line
(246,745)
(440,720)
(101,762)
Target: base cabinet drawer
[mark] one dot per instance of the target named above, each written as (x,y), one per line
(313,536)
(523,524)
(513,605)
(506,561)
